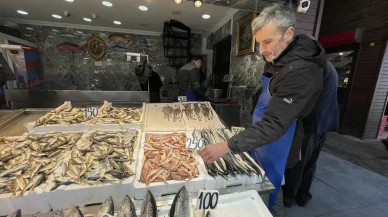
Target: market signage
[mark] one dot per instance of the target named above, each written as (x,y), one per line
(207,199)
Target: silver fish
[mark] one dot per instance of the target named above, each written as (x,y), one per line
(106,207)
(17,213)
(58,213)
(148,208)
(75,212)
(127,208)
(12,170)
(38,214)
(180,205)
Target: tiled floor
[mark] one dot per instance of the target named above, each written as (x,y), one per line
(342,189)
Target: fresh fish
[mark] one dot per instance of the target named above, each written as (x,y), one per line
(121,38)
(75,212)
(58,213)
(59,183)
(68,35)
(118,48)
(180,205)
(70,47)
(106,207)
(148,208)
(12,170)
(17,213)
(38,214)
(127,208)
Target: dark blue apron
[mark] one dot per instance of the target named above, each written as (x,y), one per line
(190,96)
(272,156)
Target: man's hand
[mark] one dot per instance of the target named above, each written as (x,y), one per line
(213,152)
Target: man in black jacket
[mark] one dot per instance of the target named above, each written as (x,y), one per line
(188,80)
(296,67)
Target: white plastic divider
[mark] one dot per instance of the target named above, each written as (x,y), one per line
(80,195)
(109,127)
(247,203)
(172,187)
(154,120)
(56,127)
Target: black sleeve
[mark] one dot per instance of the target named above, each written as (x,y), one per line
(194,78)
(292,94)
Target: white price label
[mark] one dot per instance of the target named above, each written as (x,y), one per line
(182,99)
(236,130)
(91,112)
(194,143)
(207,199)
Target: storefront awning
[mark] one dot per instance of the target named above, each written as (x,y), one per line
(340,39)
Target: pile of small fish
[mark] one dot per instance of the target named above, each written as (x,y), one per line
(230,164)
(65,116)
(180,207)
(26,162)
(166,158)
(197,111)
(112,115)
(172,113)
(99,157)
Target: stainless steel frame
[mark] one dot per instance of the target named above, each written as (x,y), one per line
(21,98)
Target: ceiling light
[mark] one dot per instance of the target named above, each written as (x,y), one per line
(198,3)
(117,22)
(29,28)
(27,35)
(57,16)
(22,12)
(79,32)
(106,3)
(341,54)
(143,8)
(206,16)
(87,19)
(55,30)
(178,1)
(70,0)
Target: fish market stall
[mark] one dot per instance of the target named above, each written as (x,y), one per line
(135,151)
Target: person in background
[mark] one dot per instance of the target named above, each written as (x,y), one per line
(293,83)
(188,80)
(149,78)
(323,119)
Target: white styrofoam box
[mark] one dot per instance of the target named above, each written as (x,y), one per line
(247,203)
(154,119)
(30,203)
(108,127)
(56,127)
(6,206)
(215,122)
(159,188)
(80,195)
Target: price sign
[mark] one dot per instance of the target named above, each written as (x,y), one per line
(194,143)
(91,112)
(207,199)
(236,130)
(182,99)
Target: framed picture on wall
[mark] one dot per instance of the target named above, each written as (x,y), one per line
(245,42)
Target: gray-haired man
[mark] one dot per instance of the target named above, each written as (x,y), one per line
(294,71)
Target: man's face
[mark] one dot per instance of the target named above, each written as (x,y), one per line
(198,63)
(271,41)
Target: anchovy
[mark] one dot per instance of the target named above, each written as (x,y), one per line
(180,206)
(127,208)
(106,207)
(12,170)
(75,212)
(148,208)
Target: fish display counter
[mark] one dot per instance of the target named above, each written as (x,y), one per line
(136,155)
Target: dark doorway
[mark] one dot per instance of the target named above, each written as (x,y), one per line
(221,62)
